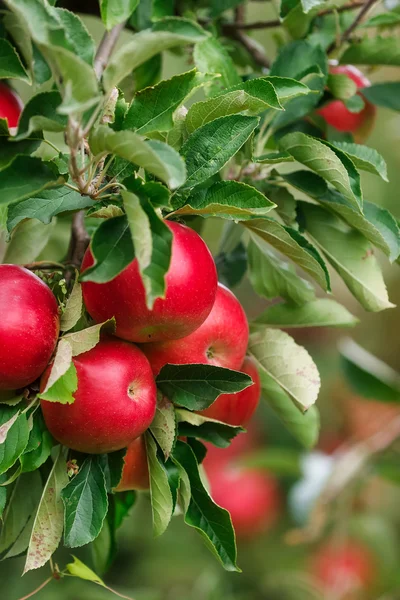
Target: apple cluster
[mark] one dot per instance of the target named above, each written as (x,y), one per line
(198,321)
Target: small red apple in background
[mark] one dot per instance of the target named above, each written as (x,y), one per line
(29,326)
(221,340)
(10,105)
(237,409)
(191,284)
(251,496)
(135,473)
(341,118)
(115,401)
(344,568)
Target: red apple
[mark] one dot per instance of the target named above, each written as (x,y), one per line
(10,105)
(191,287)
(135,473)
(221,340)
(115,401)
(341,118)
(251,496)
(344,568)
(237,409)
(28,328)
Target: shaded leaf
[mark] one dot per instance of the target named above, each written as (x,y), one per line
(373,51)
(15,435)
(211,57)
(11,66)
(73,307)
(321,312)
(163,426)
(161,497)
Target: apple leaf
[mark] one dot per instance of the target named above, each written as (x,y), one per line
(41,113)
(341,86)
(28,240)
(293,245)
(372,51)
(48,523)
(327,161)
(114,12)
(210,520)
(39,445)
(63,380)
(272,278)
(367,375)
(164,34)
(198,426)
(163,426)
(350,254)
(153,108)
(25,177)
(385,94)
(86,339)
(197,386)
(211,146)
(161,497)
(289,365)
(365,158)
(73,307)
(11,66)
(152,155)
(228,200)
(210,56)
(85,502)
(14,433)
(78,568)
(46,205)
(321,312)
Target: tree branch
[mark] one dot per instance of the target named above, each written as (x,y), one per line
(233,30)
(79,240)
(361,15)
(106,47)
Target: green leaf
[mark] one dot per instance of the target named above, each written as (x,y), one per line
(229,200)
(85,502)
(77,38)
(271,277)
(287,364)
(232,266)
(156,157)
(86,339)
(219,6)
(376,224)
(271,158)
(251,98)
(197,386)
(163,426)
(355,104)
(350,254)
(78,568)
(25,177)
(334,166)
(198,426)
(112,248)
(46,205)
(367,375)
(39,445)
(152,241)
(321,312)
(341,86)
(161,497)
(373,51)
(22,502)
(62,380)
(41,113)
(384,94)
(211,146)
(210,520)
(28,240)
(114,12)
(365,158)
(153,108)
(387,19)
(293,246)
(9,149)
(164,34)
(211,57)
(11,66)
(73,307)
(14,435)
(48,524)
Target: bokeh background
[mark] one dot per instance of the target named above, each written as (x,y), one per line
(178,566)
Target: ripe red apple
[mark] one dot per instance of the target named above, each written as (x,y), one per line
(341,118)
(10,105)
(344,568)
(29,326)
(251,496)
(115,401)
(191,286)
(135,473)
(221,340)
(237,409)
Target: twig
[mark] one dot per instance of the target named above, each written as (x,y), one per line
(106,47)
(79,240)
(44,265)
(41,586)
(346,34)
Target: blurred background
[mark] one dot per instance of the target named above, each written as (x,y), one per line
(358,555)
